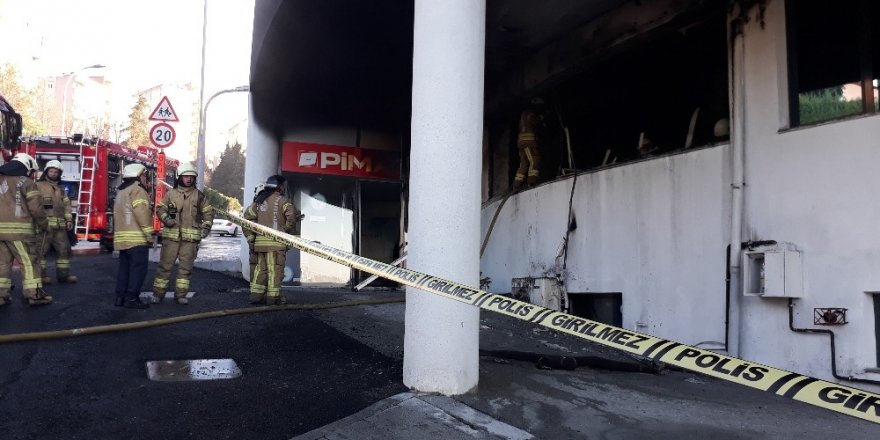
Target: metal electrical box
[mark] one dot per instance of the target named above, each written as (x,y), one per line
(545,292)
(773,272)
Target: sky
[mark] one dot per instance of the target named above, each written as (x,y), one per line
(141,43)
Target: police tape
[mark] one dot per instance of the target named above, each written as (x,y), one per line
(839,398)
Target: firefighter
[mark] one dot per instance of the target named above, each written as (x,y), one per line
(132,235)
(187,219)
(527,144)
(271,208)
(57,207)
(22,220)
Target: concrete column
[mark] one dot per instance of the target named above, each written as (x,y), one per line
(442,336)
(261,161)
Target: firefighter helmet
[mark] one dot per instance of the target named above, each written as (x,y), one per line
(275,181)
(54,164)
(27,161)
(721,128)
(186,169)
(133,170)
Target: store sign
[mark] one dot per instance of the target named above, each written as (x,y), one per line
(301,157)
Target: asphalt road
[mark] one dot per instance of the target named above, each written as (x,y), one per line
(298,373)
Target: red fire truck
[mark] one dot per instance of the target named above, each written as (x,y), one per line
(93,171)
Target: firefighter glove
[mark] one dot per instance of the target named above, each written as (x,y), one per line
(170,222)
(69,225)
(205,232)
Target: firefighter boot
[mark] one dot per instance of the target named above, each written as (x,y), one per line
(46,281)
(157,297)
(256,298)
(4,300)
(68,279)
(181,299)
(278,300)
(38,298)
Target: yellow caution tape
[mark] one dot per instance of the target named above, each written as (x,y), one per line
(840,398)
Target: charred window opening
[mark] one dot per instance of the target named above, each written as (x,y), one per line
(834,61)
(642,102)
(662,95)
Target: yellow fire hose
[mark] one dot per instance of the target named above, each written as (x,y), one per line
(69,333)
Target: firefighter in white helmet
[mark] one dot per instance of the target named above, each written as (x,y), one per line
(57,206)
(22,220)
(187,219)
(132,235)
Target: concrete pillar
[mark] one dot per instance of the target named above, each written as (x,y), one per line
(442,336)
(261,161)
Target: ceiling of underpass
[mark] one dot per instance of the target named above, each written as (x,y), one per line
(350,62)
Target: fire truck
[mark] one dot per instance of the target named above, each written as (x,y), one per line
(10,126)
(93,171)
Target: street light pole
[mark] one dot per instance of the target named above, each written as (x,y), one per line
(70,77)
(200,153)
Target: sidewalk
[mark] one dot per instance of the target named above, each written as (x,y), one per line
(518,398)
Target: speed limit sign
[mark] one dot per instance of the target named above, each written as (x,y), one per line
(162,135)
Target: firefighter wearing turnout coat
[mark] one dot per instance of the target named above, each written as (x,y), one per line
(132,235)
(57,206)
(271,209)
(187,219)
(22,220)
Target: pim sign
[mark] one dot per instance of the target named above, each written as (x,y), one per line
(302,157)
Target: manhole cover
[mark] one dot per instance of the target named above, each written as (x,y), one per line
(192,369)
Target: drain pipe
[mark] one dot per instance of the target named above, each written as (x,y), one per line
(737,143)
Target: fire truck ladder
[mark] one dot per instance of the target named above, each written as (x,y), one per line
(86,187)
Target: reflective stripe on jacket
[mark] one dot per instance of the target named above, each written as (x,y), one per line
(192,214)
(21,209)
(132,218)
(55,203)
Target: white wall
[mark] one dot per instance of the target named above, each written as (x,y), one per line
(814,187)
(657,230)
(654,230)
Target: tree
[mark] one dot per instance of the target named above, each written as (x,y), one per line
(22,99)
(228,176)
(137,124)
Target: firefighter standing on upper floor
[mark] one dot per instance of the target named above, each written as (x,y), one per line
(528,146)
(271,208)
(187,219)
(22,220)
(57,207)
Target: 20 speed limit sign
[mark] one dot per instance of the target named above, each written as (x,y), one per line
(162,135)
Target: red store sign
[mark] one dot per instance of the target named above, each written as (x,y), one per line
(301,157)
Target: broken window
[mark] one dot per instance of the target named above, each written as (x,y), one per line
(833,59)
(667,93)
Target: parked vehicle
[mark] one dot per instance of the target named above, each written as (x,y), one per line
(225,227)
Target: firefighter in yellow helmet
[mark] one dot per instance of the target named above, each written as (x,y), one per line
(187,219)
(57,207)
(271,208)
(527,144)
(22,220)
(132,235)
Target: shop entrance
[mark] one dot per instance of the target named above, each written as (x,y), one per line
(379,225)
